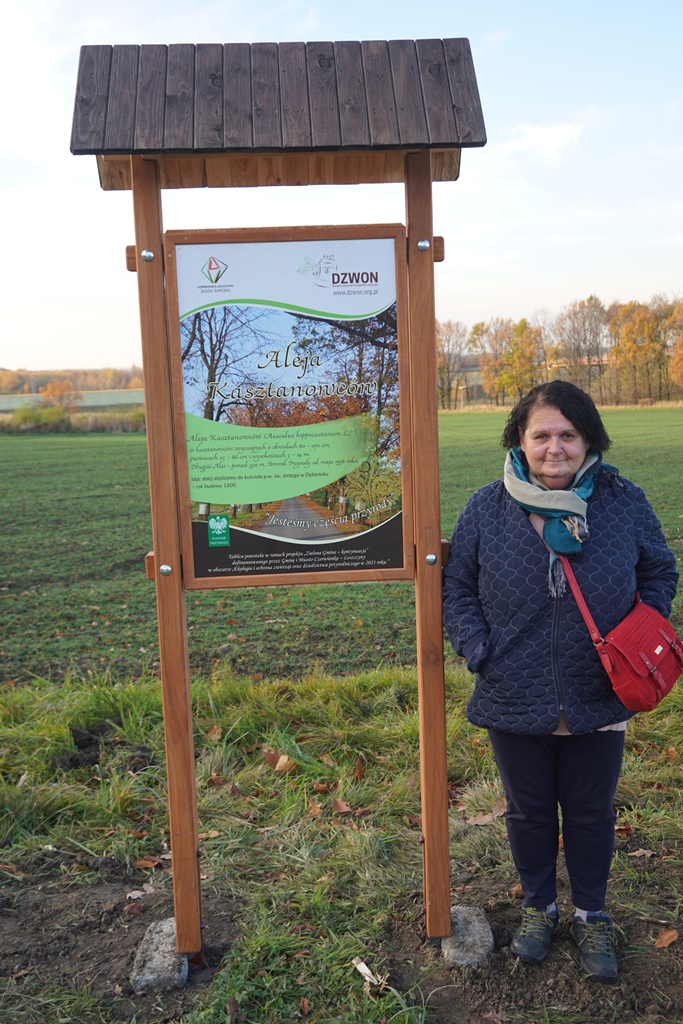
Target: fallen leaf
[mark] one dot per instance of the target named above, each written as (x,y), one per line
(320,787)
(271,757)
(213,834)
(247,815)
(641,853)
(516,892)
(486,819)
(215,779)
(304,1006)
(481,819)
(560,842)
(357,622)
(496,1018)
(118,990)
(665,938)
(235,790)
(328,760)
(624,829)
(359,769)
(285,765)
(340,807)
(132,910)
(215,732)
(147,862)
(136,894)
(19,974)
(415,819)
(315,809)
(325,878)
(670,754)
(362,812)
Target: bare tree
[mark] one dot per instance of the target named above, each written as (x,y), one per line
(218,346)
(451,361)
(581,330)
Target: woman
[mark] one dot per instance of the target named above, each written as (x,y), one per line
(554,722)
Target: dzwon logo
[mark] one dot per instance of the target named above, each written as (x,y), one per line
(214,269)
(321,272)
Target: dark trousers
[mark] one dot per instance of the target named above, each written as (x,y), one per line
(580,773)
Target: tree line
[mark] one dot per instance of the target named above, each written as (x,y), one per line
(33,382)
(621,354)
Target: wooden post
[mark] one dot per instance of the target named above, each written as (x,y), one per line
(428,610)
(173,657)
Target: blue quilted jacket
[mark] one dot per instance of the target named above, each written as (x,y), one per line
(532,653)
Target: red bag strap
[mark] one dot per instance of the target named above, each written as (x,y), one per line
(583,607)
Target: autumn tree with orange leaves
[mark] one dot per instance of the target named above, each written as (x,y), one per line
(60,394)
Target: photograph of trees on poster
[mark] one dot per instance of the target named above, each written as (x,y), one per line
(262,367)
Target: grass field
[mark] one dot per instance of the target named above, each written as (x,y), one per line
(314,865)
(76,530)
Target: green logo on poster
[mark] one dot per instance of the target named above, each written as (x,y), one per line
(219,532)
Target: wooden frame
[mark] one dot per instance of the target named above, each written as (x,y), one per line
(162,410)
(192,581)
(167,564)
(428,605)
(173,656)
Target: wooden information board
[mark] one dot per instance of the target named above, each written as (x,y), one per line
(260,115)
(291,387)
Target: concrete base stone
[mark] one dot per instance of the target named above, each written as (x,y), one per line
(157,964)
(471,938)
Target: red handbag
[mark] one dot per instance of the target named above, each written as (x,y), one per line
(642,656)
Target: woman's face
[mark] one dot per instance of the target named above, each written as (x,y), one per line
(554,448)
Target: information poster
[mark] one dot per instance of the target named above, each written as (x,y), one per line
(289,363)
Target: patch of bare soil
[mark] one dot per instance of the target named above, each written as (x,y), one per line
(59,932)
(649,987)
(64,933)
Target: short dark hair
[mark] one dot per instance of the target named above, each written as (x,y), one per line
(574,404)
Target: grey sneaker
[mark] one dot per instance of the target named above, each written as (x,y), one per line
(531,941)
(595,939)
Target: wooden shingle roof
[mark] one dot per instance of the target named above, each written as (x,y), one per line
(268,113)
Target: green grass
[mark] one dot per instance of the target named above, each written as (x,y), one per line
(308,875)
(74,595)
(316,887)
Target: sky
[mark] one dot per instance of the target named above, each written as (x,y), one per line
(578,191)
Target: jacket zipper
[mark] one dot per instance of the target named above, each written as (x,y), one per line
(555,656)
